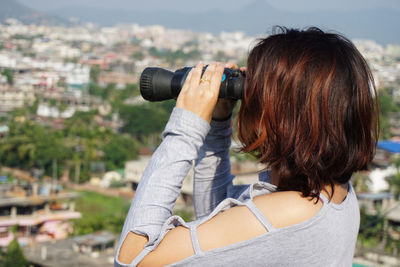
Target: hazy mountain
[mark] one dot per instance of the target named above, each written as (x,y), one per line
(13,9)
(256,18)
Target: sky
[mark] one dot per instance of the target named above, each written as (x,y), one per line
(203,5)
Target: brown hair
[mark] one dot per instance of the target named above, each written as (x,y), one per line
(309,109)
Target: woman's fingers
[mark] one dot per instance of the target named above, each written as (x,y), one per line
(217,71)
(200,92)
(231,65)
(186,85)
(196,75)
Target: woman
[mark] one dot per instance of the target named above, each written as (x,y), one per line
(308,114)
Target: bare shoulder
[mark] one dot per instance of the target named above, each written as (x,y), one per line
(234,225)
(239,223)
(287,208)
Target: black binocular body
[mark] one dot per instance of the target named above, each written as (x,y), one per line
(158,84)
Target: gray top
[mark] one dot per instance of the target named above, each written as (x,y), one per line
(326,239)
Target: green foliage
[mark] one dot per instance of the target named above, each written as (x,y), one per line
(100,212)
(10,76)
(19,36)
(62,107)
(394,185)
(94,73)
(71,60)
(116,184)
(130,90)
(32,109)
(95,89)
(242,62)
(154,52)
(374,234)
(138,55)
(53,102)
(221,56)
(14,229)
(82,141)
(94,144)
(30,145)
(186,215)
(371,228)
(177,57)
(145,119)
(80,124)
(119,150)
(108,90)
(387,107)
(14,256)
(28,54)
(114,96)
(361,181)
(394,180)
(136,42)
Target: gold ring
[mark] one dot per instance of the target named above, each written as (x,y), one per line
(205,80)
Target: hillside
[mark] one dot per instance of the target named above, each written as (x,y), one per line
(13,9)
(256,18)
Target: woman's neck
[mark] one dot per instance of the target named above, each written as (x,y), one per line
(339,194)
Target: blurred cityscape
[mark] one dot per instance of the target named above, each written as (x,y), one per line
(75,137)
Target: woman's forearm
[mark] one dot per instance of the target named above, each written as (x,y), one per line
(162,180)
(212,169)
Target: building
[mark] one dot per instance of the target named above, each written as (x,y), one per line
(133,173)
(120,79)
(36,212)
(95,249)
(12,98)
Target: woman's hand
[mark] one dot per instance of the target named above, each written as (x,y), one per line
(199,94)
(224,107)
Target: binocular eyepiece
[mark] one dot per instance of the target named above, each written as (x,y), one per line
(157,84)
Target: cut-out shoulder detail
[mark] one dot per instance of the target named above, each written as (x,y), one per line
(232,226)
(322,219)
(287,208)
(131,246)
(175,246)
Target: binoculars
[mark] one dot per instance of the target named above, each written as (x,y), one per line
(158,84)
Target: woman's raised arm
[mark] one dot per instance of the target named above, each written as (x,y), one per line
(162,180)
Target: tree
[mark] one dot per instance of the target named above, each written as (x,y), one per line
(154,52)
(394,184)
(361,182)
(371,228)
(94,73)
(146,119)
(387,108)
(138,55)
(29,145)
(10,77)
(119,150)
(221,56)
(14,256)
(394,180)
(95,89)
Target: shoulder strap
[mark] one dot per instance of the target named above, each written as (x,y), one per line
(260,216)
(195,240)
(140,257)
(323,198)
